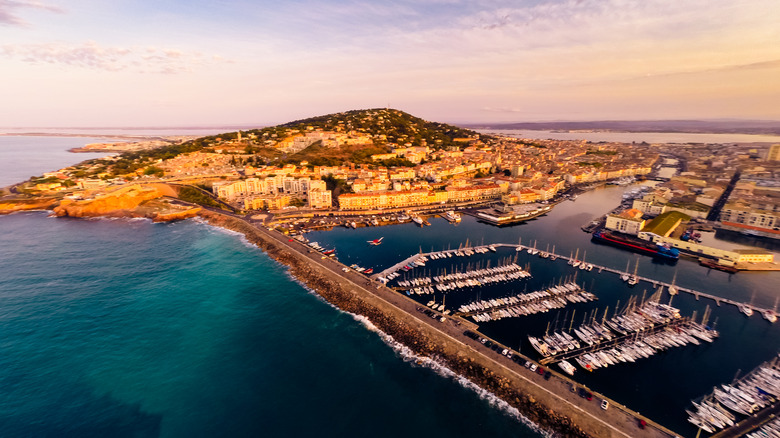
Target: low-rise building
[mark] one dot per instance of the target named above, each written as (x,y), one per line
(627,222)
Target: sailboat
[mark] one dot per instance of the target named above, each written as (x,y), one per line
(634,279)
(771,315)
(747,309)
(672,288)
(625,275)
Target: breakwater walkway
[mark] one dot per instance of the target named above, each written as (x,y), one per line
(553,257)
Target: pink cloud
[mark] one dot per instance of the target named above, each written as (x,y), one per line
(91,55)
(9,11)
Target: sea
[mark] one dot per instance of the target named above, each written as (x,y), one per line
(128,328)
(125,328)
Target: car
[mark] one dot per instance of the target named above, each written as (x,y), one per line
(540,371)
(532,367)
(489,344)
(517,359)
(572,388)
(604,404)
(547,375)
(504,351)
(527,364)
(641,423)
(483,340)
(496,348)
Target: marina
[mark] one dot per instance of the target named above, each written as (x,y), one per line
(748,396)
(684,284)
(571,260)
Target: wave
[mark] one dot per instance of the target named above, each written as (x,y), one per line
(407,355)
(404,352)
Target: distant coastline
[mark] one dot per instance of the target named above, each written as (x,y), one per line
(749,127)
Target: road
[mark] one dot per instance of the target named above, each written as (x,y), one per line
(617,421)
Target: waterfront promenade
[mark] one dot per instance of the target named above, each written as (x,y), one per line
(556,394)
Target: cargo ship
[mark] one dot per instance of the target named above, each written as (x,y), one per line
(664,251)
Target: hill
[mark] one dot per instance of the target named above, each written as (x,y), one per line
(331,139)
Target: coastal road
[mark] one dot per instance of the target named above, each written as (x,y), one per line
(556,391)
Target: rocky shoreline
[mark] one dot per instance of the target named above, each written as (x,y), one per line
(401,330)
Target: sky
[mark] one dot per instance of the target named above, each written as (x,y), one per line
(78,63)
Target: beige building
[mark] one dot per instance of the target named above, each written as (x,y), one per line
(774,153)
(628,222)
(320,198)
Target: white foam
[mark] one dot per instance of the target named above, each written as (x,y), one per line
(409,356)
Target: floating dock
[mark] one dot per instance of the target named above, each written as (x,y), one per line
(656,283)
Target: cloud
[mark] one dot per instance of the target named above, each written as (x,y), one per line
(91,55)
(9,11)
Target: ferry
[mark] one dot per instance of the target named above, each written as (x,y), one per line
(624,241)
(452,217)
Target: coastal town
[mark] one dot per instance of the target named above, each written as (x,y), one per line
(382,167)
(374,166)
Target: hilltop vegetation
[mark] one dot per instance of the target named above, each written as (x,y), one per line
(381,130)
(396,126)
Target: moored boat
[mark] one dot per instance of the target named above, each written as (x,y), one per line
(567,367)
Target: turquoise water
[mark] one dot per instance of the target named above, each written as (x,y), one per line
(127,328)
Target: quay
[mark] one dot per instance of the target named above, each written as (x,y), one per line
(519,247)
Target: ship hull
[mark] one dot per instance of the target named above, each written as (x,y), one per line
(634,245)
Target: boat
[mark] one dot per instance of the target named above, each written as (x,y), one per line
(418,220)
(771,314)
(369,271)
(452,217)
(567,367)
(329,252)
(672,288)
(633,280)
(747,310)
(375,242)
(539,345)
(715,265)
(661,250)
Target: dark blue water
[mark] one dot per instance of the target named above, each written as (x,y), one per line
(660,387)
(125,328)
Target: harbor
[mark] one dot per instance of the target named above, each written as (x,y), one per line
(555,239)
(551,256)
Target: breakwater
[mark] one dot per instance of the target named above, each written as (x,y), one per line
(408,331)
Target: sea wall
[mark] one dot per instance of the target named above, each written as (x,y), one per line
(416,335)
